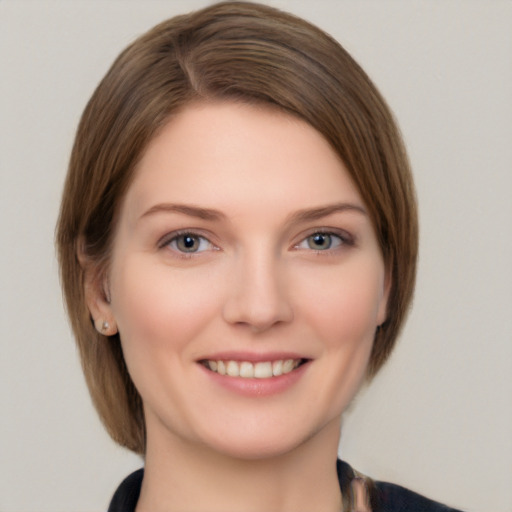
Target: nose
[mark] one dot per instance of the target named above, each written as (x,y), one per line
(258,295)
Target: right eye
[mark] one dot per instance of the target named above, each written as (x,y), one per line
(322,241)
(189,243)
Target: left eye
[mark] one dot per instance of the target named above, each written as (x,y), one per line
(321,242)
(189,243)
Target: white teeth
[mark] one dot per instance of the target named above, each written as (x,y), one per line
(247,370)
(288,365)
(263,370)
(277,368)
(232,369)
(221,367)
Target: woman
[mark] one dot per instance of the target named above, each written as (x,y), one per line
(238,243)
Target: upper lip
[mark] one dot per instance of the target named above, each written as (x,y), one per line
(251,357)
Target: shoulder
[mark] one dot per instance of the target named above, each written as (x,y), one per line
(127,494)
(394,498)
(387,497)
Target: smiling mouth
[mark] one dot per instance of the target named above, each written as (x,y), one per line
(248,370)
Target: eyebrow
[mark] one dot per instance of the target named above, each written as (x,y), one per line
(311,214)
(190,210)
(308,214)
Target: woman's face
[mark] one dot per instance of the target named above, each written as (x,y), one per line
(246,282)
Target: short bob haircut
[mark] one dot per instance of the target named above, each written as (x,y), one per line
(232,51)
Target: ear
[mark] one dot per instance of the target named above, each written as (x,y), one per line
(382,314)
(97,296)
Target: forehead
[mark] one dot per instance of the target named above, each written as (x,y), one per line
(221,153)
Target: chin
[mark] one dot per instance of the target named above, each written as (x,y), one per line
(270,441)
(257,449)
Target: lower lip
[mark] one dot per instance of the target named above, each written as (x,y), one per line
(258,387)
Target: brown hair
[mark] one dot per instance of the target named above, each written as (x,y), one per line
(235,51)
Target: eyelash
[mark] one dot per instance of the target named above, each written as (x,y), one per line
(344,239)
(171,240)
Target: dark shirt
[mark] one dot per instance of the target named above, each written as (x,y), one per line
(388,497)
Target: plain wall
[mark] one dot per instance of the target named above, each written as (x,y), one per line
(438,418)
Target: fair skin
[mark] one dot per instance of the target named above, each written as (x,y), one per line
(242,245)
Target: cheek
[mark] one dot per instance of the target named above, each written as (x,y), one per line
(344,315)
(346,308)
(159,310)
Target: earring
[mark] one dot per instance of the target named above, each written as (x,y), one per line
(105,328)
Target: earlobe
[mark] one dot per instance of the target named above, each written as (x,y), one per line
(99,305)
(97,296)
(105,328)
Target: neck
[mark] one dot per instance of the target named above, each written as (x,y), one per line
(185,478)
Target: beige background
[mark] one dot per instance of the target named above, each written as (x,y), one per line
(439,417)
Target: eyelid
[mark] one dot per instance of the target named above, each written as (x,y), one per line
(346,238)
(167,239)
